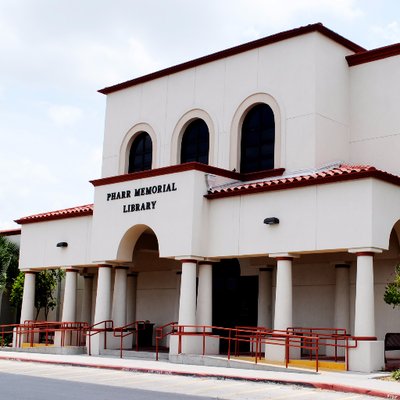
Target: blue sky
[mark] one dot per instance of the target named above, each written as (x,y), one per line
(57,54)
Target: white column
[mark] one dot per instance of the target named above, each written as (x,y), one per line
(264,318)
(365,355)
(342,297)
(204,296)
(187,302)
(28,297)
(69,303)
(131,297)
(178,295)
(86,313)
(103,295)
(364,324)
(283,298)
(119,296)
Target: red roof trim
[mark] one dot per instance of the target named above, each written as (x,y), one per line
(373,55)
(72,212)
(318,27)
(343,173)
(10,232)
(191,166)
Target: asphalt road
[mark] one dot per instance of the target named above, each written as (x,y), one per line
(33,381)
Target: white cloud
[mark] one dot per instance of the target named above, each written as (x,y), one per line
(389,32)
(23,174)
(107,63)
(56,54)
(64,114)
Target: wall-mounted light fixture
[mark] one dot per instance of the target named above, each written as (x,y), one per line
(62,244)
(271,221)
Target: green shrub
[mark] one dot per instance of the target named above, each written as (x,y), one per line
(396,375)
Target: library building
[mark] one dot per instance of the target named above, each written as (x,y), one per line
(249,203)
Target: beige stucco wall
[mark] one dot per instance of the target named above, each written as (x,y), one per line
(39,240)
(375,118)
(306,79)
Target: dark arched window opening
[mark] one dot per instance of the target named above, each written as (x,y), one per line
(195,142)
(258,140)
(141,153)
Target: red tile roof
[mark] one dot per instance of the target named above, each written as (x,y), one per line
(79,211)
(334,174)
(337,173)
(10,232)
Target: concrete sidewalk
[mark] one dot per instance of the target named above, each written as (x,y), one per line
(350,382)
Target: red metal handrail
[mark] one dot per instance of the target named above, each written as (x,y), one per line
(160,334)
(95,330)
(127,330)
(49,328)
(7,329)
(255,336)
(326,336)
(294,337)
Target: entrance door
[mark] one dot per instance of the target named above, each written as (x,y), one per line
(235,298)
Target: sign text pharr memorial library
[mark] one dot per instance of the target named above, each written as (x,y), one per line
(143,191)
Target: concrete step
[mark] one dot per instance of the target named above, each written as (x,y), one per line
(234,362)
(67,350)
(147,355)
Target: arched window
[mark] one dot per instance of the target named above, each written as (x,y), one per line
(141,153)
(195,142)
(258,139)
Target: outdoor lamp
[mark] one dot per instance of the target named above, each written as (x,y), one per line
(271,221)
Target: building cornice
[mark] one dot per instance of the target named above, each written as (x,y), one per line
(373,55)
(191,166)
(278,37)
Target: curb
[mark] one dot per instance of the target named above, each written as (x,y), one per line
(316,385)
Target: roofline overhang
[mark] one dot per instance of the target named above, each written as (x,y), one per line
(292,184)
(373,55)
(278,37)
(81,211)
(190,166)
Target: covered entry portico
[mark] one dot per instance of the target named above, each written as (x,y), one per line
(324,264)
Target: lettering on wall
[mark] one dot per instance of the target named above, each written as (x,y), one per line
(140,192)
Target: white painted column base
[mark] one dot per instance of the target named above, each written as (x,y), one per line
(69,309)
(103,307)
(28,306)
(113,343)
(119,296)
(275,352)
(96,344)
(193,344)
(367,356)
(187,301)
(204,295)
(330,348)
